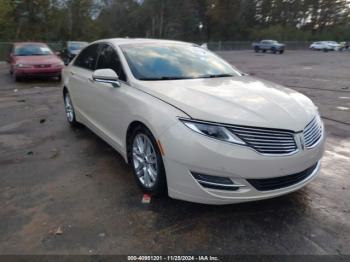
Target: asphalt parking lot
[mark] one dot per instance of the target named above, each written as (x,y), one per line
(65,191)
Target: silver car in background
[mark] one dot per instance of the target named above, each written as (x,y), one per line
(325,46)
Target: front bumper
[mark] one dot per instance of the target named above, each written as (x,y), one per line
(187,151)
(39,72)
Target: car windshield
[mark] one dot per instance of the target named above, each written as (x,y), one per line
(76,45)
(32,50)
(175,61)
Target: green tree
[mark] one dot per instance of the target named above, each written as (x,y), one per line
(7,23)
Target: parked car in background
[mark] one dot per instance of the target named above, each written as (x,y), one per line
(192,125)
(344,45)
(28,59)
(71,49)
(269,45)
(336,46)
(325,46)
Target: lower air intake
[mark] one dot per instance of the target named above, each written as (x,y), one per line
(266,184)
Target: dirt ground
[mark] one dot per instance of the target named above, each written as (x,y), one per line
(65,191)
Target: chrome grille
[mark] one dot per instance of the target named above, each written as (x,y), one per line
(313,132)
(42,66)
(265,140)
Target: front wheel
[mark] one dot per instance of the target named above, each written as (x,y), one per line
(281,51)
(256,49)
(147,162)
(70,113)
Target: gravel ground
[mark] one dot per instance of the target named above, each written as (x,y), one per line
(65,191)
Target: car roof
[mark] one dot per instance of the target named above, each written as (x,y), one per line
(69,42)
(28,43)
(126,41)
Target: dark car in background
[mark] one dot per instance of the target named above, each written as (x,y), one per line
(34,59)
(269,45)
(71,49)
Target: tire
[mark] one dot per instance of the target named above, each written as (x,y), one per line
(325,50)
(273,50)
(256,49)
(69,108)
(15,77)
(281,51)
(146,161)
(264,51)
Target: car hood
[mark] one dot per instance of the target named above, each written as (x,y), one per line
(241,100)
(38,59)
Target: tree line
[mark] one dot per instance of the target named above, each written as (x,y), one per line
(189,20)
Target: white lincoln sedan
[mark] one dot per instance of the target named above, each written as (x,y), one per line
(192,125)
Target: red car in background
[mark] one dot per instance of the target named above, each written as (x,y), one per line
(34,59)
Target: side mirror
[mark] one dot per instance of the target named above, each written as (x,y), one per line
(107,76)
(204,45)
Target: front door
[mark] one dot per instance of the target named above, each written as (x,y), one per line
(111,102)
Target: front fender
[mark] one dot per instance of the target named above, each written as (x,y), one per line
(158,116)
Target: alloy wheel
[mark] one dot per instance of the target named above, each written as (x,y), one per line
(69,108)
(145,160)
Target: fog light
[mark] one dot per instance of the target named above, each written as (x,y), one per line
(216,182)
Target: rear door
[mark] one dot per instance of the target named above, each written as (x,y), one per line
(81,87)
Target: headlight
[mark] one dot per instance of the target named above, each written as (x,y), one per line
(20,65)
(212,130)
(60,64)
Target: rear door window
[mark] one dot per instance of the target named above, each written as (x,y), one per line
(88,57)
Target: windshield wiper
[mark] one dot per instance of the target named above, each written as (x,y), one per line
(216,76)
